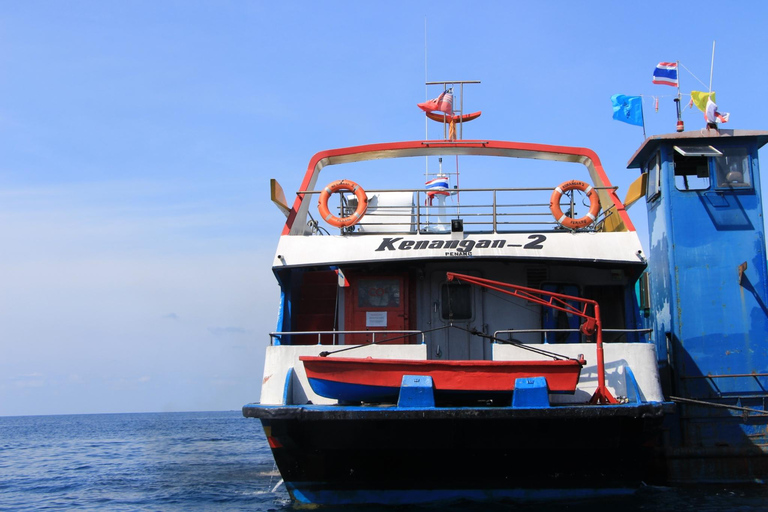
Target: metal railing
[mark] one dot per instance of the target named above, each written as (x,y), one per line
(422,334)
(335,334)
(481,209)
(523,331)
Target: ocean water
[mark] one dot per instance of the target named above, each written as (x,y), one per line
(220,461)
(174,461)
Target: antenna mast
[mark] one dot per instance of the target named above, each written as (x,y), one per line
(712,66)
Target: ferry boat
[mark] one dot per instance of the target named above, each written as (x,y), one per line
(490,341)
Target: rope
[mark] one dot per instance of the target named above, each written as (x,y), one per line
(315,227)
(325,353)
(474,332)
(715,404)
(694,76)
(516,343)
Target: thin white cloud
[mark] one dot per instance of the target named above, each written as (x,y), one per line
(32,380)
(221,331)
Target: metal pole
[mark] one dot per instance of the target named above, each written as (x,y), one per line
(494,211)
(712,66)
(461,122)
(426,98)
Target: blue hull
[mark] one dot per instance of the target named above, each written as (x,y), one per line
(354,392)
(315,493)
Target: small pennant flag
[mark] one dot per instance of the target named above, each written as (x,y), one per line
(628,109)
(666,74)
(343,283)
(443,103)
(712,115)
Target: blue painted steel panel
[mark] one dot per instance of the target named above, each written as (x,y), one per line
(531,392)
(288,387)
(416,391)
(709,313)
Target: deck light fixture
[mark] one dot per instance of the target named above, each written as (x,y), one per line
(457,228)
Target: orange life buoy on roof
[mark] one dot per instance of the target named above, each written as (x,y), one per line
(342,222)
(568,222)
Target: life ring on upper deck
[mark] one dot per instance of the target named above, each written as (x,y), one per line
(336,186)
(568,222)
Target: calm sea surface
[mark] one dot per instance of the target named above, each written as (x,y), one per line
(217,461)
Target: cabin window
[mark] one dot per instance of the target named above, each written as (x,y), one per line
(456,301)
(692,166)
(654,178)
(378,293)
(732,169)
(643,290)
(697,167)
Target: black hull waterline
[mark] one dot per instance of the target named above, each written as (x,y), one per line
(335,455)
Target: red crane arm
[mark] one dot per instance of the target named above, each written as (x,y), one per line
(560,302)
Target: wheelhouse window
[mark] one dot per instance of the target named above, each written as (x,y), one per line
(654,178)
(456,301)
(692,167)
(732,169)
(699,167)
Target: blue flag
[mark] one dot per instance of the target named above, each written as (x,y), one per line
(628,109)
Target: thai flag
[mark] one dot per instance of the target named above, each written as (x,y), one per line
(666,74)
(438,186)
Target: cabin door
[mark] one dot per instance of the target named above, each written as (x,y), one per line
(459,305)
(376,303)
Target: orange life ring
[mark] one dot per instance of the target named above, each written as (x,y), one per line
(342,222)
(568,222)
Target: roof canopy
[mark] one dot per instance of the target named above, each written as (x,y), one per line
(698,138)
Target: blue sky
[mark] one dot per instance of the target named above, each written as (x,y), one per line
(137,140)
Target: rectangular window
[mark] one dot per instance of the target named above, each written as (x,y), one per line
(456,301)
(732,169)
(378,293)
(697,167)
(654,178)
(644,293)
(692,167)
